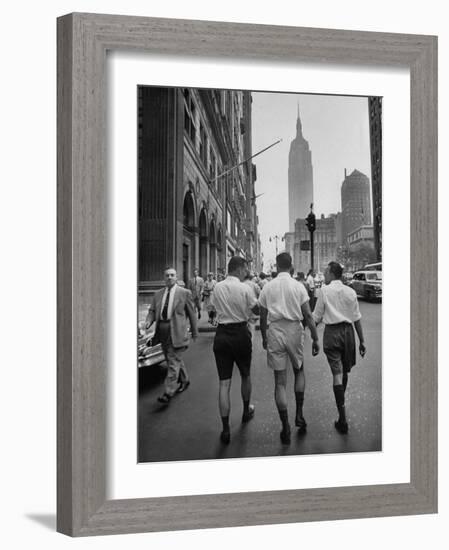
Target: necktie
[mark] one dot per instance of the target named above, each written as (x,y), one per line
(165,308)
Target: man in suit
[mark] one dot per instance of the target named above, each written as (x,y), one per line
(170,308)
(196,285)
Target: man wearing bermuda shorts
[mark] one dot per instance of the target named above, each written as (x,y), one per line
(235,303)
(284,302)
(338,308)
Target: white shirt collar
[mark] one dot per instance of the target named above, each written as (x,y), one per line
(233,278)
(284,274)
(336,281)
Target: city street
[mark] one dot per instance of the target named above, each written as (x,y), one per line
(189,427)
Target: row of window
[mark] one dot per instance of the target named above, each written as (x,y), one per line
(202,144)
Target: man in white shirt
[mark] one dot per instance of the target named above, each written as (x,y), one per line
(284,303)
(337,306)
(170,307)
(234,303)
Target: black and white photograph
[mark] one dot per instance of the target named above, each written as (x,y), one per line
(259,291)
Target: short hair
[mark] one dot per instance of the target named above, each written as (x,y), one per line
(301,275)
(235,263)
(169,267)
(284,260)
(262,275)
(336,269)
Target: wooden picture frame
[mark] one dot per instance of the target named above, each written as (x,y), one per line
(83,40)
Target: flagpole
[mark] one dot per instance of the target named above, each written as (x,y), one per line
(246,160)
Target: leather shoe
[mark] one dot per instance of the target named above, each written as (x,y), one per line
(183,386)
(341,427)
(286,436)
(164,398)
(225,437)
(248,415)
(301,424)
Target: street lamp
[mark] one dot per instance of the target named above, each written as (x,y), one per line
(311,224)
(276,238)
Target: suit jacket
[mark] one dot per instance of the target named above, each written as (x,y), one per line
(196,286)
(182,309)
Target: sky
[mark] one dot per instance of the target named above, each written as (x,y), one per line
(337,129)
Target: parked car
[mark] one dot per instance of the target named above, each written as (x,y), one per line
(368,284)
(148,354)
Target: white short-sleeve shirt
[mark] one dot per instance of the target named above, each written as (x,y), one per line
(337,303)
(283,297)
(233,300)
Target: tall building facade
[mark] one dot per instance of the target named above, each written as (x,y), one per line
(325,243)
(300,177)
(375,127)
(195,201)
(355,202)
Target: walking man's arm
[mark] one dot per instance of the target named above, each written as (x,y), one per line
(359,330)
(263,325)
(307,314)
(190,312)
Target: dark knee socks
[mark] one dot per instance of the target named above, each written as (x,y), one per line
(225,422)
(339,393)
(283,415)
(345,380)
(299,395)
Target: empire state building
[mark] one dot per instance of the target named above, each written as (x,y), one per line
(300,177)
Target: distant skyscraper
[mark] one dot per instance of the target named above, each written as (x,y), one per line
(300,177)
(355,202)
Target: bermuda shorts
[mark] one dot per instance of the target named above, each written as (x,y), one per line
(232,344)
(339,347)
(285,342)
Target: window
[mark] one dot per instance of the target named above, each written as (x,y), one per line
(203,144)
(212,166)
(189,115)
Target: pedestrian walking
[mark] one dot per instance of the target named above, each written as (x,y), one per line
(195,285)
(170,307)
(262,280)
(310,281)
(208,288)
(284,303)
(234,303)
(337,306)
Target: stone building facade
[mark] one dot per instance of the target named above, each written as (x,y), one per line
(325,243)
(375,127)
(196,192)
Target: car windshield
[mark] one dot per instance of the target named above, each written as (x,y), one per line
(377,276)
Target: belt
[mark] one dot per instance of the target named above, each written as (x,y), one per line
(342,324)
(242,324)
(164,321)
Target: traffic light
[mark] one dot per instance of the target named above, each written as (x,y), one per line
(311,222)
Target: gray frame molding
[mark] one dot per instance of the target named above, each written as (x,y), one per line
(83,40)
